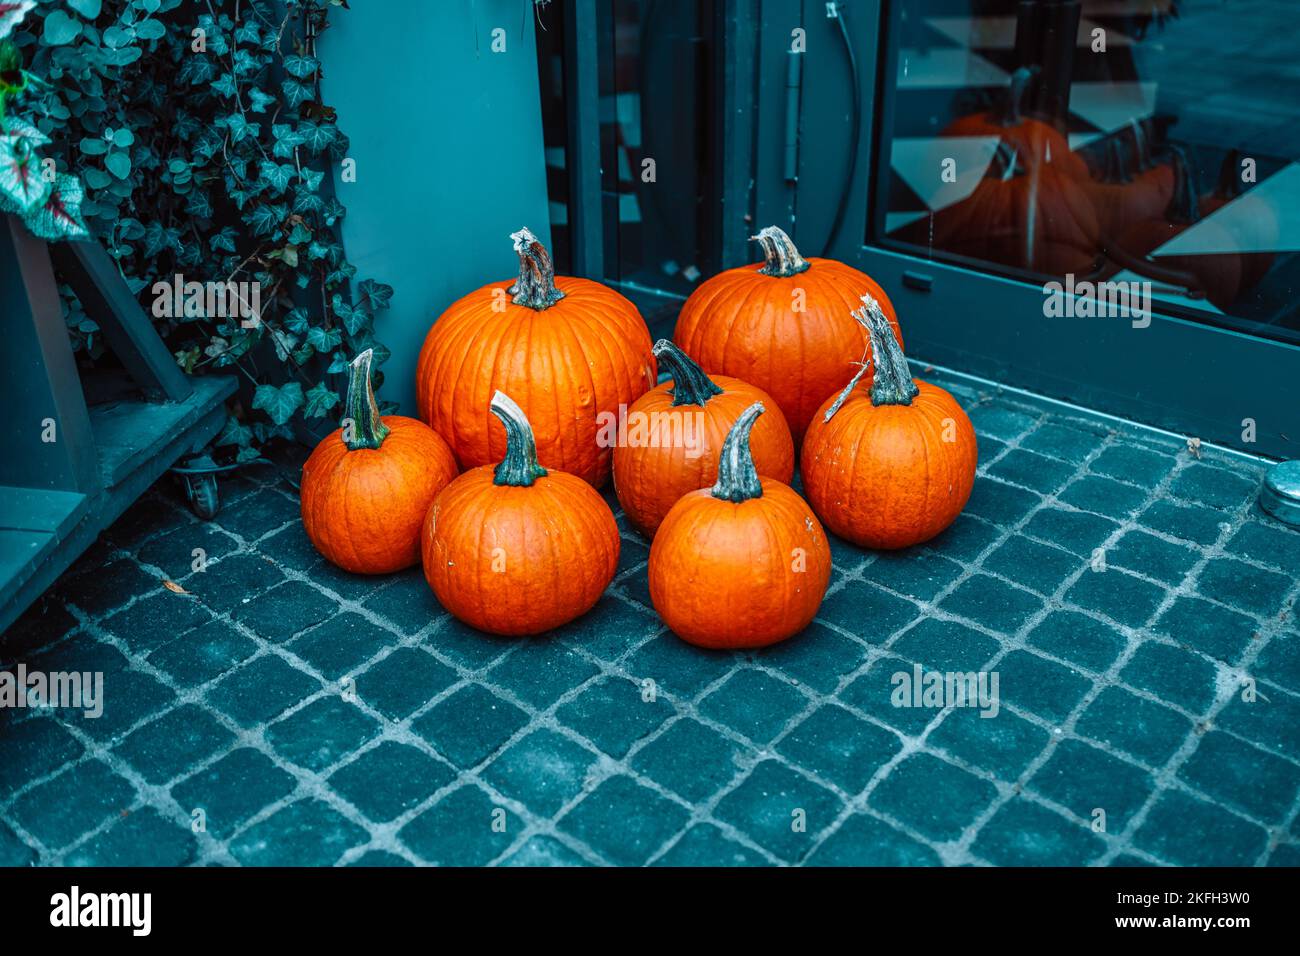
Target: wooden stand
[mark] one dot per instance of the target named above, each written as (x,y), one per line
(68,470)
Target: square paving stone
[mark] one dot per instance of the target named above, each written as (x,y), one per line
(203,654)
(1242,776)
(915,572)
(1269,720)
(42,624)
(233,789)
(470,725)
(153,621)
(839,747)
(13,851)
(1211,628)
(1268,544)
(965,539)
(1079,531)
(64,808)
(780,810)
(32,749)
(1001,504)
(1241,585)
(1079,639)
(128,697)
(754,705)
(859,602)
(1154,557)
(306,833)
(1001,420)
(322,733)
(611,630)
(1279,661)
(678,667)
(285,610)
(342,644)
(290,547)
(174,743)
(933,797)
(261,689)
(466,646)
(1024,834)
(875,693)
(1172,674)
(403,682)
(1201,525)
(1104,497)
(1118,595)
(1212,486)
(349,586)
(1003,743)
(389,780)
(946,646)
(817,657)
(1063,441)
(1149,731)
(624,821)
(142,838)
(1084,779)
(613,714)
(541,671)
(863,840)
(543,851)
(1043,687)
(1132,464)
(79,654)
(407,603)
(1032,470)
(1190,832)
(992,603)
(542,770)
(690,759)
(174,553)
(234,580)
(104,588)
(1033,565)
(706,845)
(258,513)
(464,828)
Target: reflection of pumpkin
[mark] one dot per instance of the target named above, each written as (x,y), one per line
(1218,275)
(1033,140)
(781,325)
(1124,192)
(1255,213)
(683,424)
(891,464)
(567,349)
(1024,213)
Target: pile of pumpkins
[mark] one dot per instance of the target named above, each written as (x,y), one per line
(494,489)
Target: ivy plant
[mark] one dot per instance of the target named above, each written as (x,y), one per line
(204,145)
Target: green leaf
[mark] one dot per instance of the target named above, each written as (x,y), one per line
(320,400)
(87,8)
(12,13)
(60,28)
(259,101)
(150,30)
(22,187)
(277,175)
(324,340)
(300,66)
(59,217)
(376,293)
(93,146)
(119,164)
(279,403)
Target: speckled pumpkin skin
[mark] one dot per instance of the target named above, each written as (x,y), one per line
(587,354)
(363,509)
(882,476)
(650,478)
(722,574)
(558,549)
(743,324)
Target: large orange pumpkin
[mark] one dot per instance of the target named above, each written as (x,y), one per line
(675,434)
(570,350)
(1127,189)
(516,549)
(891,464)
(367,486)
(742,564)
(781,325)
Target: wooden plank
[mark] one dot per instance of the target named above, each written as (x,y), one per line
(40,509)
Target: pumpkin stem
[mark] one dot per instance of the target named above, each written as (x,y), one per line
(1183,206)
(783,259)
(535,286)
(368,429)
(691,386)
(892,384)
(519,468)
(1015,101)
(737,476)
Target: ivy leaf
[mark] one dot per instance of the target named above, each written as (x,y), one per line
(295,93)
(376,293)
(223,241)
(324,340)
(320,400)
(277,175)
(312,178)
(59,217)
(295,320)
(259,101)
(279,403)
(264,219)
(317,136)
(234,432)
(300,66)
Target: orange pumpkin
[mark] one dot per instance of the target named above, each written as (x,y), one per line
(742,564)
(892,464)
(781,325)
(675,434)
(516,549)
(1121,196)
(570,350)
(367,487)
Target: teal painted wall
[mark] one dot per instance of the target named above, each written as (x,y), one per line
(447,138)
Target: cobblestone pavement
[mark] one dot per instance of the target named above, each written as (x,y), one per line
(306,716)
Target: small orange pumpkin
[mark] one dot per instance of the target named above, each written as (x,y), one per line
(675,435)
(781,325)
(515,549)
(367,487)
(571,350)
(742,564)
(893,464)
